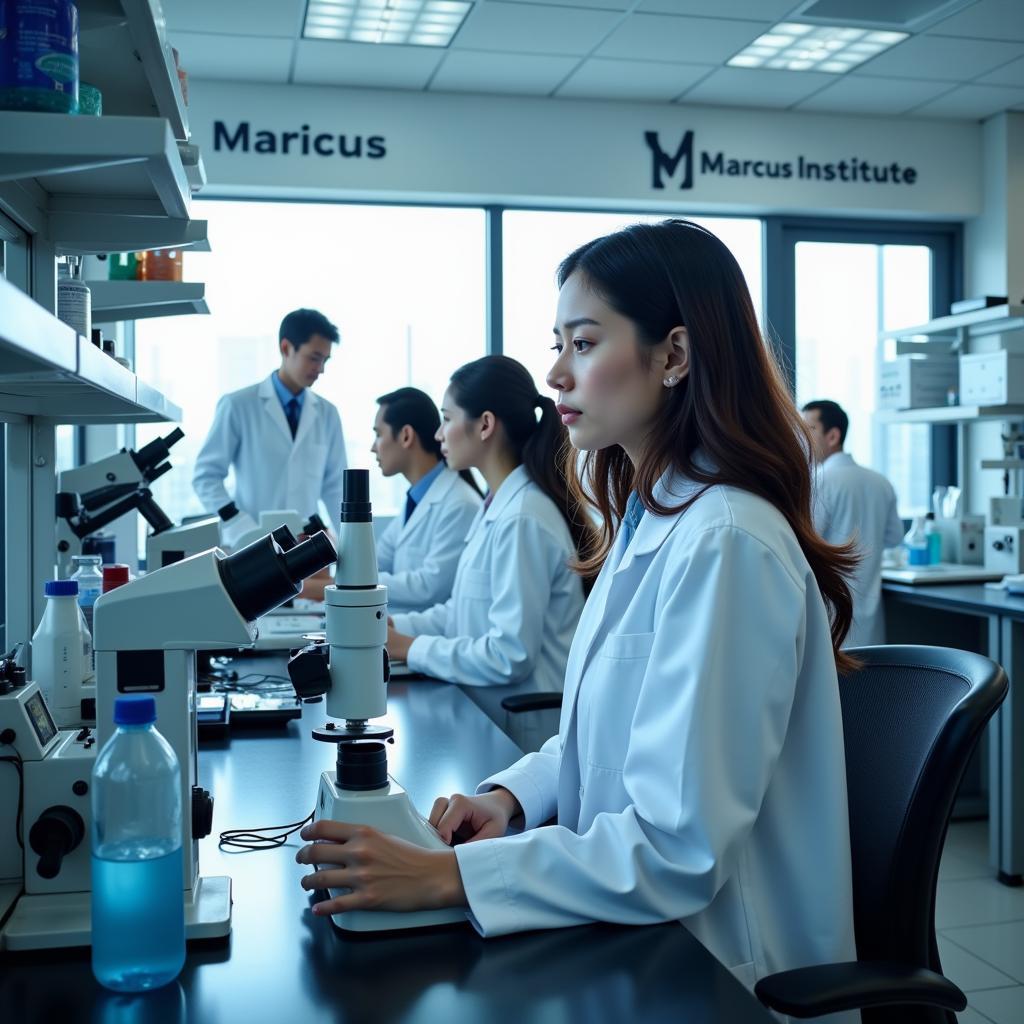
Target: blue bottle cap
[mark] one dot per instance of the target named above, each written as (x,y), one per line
(61,588)
(139,710)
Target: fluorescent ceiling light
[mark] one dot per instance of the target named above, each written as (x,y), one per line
(399,22)
(834,49)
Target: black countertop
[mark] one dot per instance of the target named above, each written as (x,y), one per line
(973,598)
(282,964)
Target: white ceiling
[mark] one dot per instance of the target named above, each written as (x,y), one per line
(969,65)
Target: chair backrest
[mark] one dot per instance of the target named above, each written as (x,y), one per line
(912,716)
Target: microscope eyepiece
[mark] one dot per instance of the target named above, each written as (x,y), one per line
(284,537)
(355,500)
(306,558)
(261,576)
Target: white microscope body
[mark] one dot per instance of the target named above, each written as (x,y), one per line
(147,633)
(350,667)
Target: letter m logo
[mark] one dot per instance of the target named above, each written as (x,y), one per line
(662,163)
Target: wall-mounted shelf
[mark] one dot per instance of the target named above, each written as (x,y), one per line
(952,414)
(122,51)
(48,370)
(991,320)
(137,300)
(79,160)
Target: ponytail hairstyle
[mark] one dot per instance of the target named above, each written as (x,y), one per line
(504,387)
(733,404)
(410,407)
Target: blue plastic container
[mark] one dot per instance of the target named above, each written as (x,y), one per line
(138,907)
(39,56)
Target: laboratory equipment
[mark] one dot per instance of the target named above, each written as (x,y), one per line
(350,666)
(147,635)
(1004,549)
(94,495)
(62,656)
(272,519)
(89,576)
(180,542)
(913,381)
(992,378)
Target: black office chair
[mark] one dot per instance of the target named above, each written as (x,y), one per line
(912,716)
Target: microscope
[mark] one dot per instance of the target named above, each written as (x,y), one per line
(350,666)
(147,633)
(92,496)
(272,519)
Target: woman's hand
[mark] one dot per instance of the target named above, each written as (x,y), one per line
(382,872)
(398,644)
(470,818)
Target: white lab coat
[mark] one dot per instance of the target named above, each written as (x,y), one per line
(272,471)
(699,770)
(509,623)
(855,503)
(417,559)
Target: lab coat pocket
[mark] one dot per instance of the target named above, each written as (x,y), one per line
(475,585)
(628,646)
(608,697)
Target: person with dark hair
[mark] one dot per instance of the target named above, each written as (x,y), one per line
(418,551)
(284,442)
(507,627)
(699,769)
(853,504)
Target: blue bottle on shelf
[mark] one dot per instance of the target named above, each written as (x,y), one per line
(138,908)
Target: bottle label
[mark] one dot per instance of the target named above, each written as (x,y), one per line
(39,55)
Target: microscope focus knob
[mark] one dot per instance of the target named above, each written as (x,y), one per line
(57,831)
(202,812)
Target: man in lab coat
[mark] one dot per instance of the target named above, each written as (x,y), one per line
(284,442)
(854,503)
(418,552)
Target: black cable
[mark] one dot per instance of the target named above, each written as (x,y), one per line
(19,767)
(251,839)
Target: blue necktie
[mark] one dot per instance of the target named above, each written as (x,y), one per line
(291,411)
(410,504)
(634,513)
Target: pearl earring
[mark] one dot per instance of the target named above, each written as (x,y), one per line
(670,382)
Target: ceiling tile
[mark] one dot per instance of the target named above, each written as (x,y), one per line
(631,80)
(751,10)
(527,74)
(604,5)
(1008,74)
(861,94)
(234,58)
(939,57)
(535,29)
(989,19)
(972,101)
(740,87)
(372,65)
(237,17)
(694,40)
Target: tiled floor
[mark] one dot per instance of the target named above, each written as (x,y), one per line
(981,929)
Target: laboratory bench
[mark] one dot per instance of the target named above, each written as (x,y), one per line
(977,618)
(282,964)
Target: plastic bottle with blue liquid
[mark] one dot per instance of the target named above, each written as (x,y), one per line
(138,907)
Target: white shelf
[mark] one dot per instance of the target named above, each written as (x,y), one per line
(78,160)
(48,370)
(122,51)
(952,414)
(137,300)
(991,320)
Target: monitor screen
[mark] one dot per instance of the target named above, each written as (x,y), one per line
(39,716)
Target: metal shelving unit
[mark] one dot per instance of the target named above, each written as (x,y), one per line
(138,300)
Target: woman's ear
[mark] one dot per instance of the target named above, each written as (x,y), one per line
(488,422)
(677,358)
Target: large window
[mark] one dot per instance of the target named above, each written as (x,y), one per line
(535,242)
(405,285)
(845,294)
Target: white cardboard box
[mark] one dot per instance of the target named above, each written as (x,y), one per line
(916,382)
(992,378)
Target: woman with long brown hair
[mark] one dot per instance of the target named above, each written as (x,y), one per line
(699,772)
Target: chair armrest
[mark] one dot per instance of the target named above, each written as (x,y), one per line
(828,988)
(532,702)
